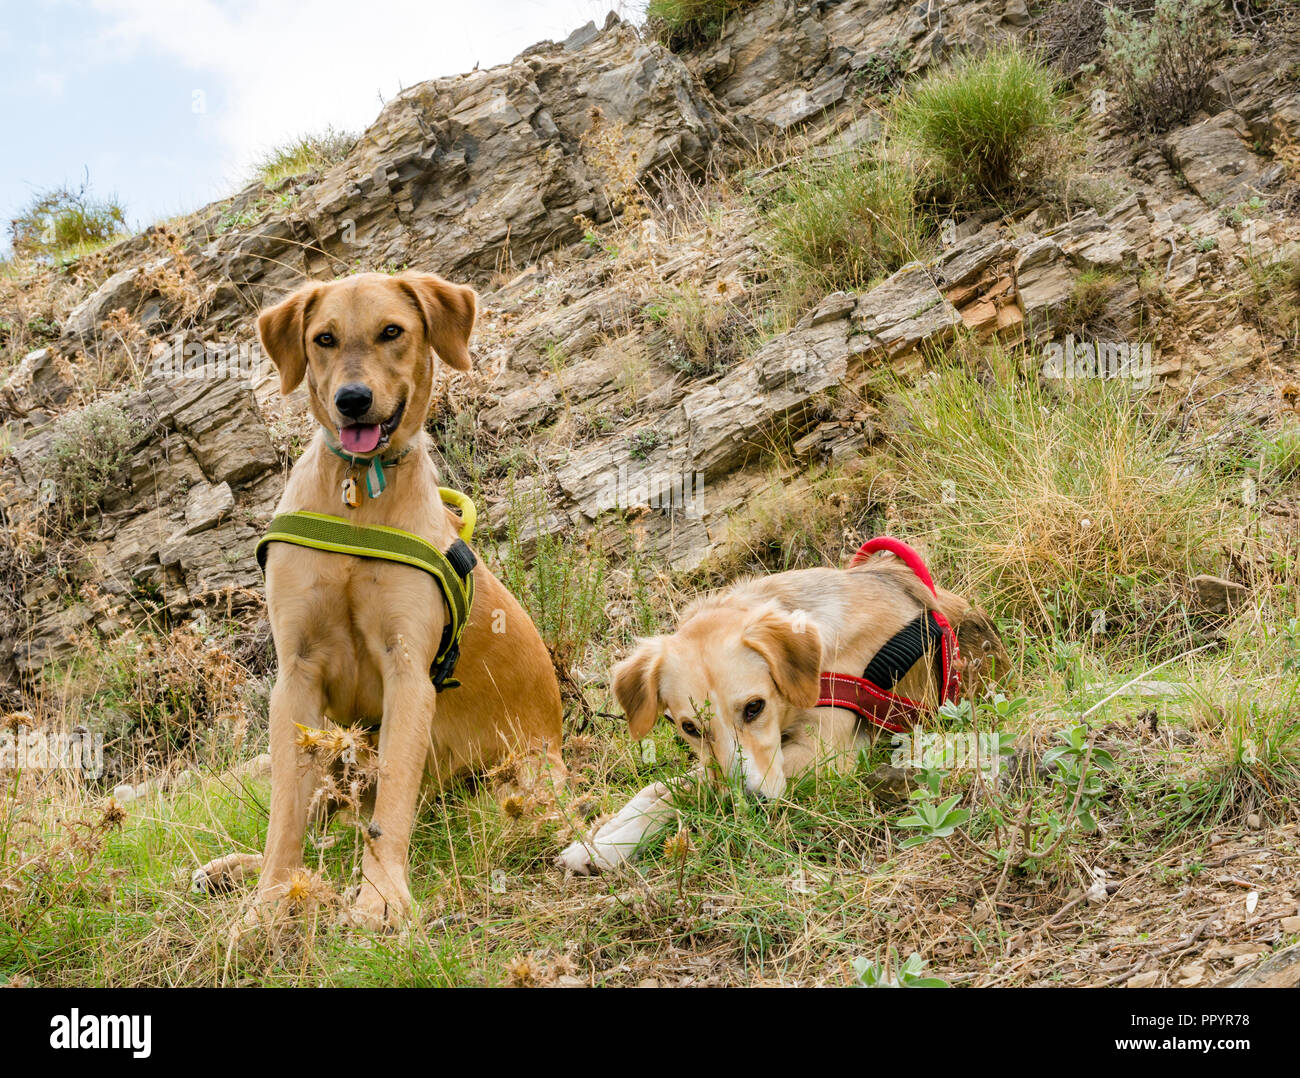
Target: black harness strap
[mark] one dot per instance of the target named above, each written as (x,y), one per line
(902,651)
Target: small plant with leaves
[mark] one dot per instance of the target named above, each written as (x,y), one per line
(642,443)
(893,974)
(1292,659)
(883,71)
(1077,765)
(933,815)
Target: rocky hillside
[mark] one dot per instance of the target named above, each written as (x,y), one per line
(577,187)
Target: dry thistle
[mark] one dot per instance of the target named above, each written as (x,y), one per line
(678,846)
(607,148)
(523,972)
(114,815)
(306,889)
(15,719)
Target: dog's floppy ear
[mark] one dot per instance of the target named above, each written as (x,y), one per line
(283,332)
(448,311)
(792,648)
(636,686)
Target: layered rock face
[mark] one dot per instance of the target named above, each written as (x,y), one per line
(491,178)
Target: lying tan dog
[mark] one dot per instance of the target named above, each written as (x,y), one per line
(355,637)
(740,680)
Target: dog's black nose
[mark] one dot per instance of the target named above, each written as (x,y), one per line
(353,400)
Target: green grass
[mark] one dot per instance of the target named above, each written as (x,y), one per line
(977,122)
(739,892)
(307,153)
(1087,311)
(1053,504)
(683,23)
(994,473)
(1280,455)
(560,585)
(1253,766)
(844,223)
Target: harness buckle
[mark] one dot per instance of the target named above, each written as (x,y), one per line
(462,558)
(441,672)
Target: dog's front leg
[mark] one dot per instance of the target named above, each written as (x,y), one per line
(404,742)
(618,838)
(297,700)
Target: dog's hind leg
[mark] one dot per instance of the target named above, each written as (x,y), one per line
(225,873)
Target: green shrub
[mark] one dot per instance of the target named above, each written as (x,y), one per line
(560,583)
(844,222)
(1280,455)
(706,331)
(681,23)
(305,154)
(1162,67)
(90,454)
(976,122)
(1054,502)
(64,222)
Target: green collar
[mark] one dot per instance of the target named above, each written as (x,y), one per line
(376,484)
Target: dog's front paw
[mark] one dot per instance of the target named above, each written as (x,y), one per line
(372,912)
(585,859)
(264,919)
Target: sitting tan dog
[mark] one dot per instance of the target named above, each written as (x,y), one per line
(356,637)
(742,676)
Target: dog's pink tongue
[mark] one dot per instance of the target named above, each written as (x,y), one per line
(360,437)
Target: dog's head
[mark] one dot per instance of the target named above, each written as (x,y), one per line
(731,680)
(366,346)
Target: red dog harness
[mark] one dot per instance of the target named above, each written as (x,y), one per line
(871,696)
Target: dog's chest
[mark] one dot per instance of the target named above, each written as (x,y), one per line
(351,618)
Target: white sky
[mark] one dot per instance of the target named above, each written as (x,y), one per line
(167,103)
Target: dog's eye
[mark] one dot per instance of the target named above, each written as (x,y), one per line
(325,340)
(392,332)
(690,729)
(753,709)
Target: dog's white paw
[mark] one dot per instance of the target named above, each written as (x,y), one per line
(587,858)
(575,859)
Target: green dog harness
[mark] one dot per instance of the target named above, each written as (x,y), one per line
(453,571)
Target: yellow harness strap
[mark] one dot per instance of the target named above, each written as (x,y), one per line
(453,571)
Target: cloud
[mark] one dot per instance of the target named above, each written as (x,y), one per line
(271,70)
